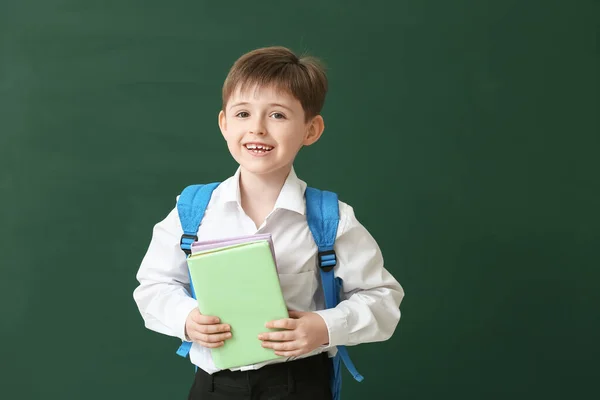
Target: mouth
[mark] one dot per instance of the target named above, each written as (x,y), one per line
(257,148)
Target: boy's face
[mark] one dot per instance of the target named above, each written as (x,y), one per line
(265,128)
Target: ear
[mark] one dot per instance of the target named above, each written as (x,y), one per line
(315,130)
(222,122)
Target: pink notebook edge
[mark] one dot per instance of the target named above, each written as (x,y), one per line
(217,243)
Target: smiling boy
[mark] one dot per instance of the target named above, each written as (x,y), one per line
(271,109)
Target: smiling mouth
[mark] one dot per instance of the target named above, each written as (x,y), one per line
(258,148)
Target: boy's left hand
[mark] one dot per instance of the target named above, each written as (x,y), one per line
(304,332)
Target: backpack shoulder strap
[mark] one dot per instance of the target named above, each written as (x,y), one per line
(323,216)
(191,206)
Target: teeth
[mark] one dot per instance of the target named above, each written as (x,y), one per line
(258,147)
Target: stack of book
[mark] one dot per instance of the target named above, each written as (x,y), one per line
(236,280)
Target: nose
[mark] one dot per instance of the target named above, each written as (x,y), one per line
(258,127)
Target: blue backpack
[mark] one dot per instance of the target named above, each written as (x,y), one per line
(322,215)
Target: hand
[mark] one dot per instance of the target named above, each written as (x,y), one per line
(304,332)
(206,330)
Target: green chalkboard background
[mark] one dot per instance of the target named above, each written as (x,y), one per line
(464,133)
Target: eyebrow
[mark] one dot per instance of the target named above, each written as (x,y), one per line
(245,103)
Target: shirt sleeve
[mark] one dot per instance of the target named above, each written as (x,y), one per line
(370,311)
(163,295)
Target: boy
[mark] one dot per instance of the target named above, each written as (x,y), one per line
(271,105)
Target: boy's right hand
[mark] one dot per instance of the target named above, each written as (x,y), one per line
(206,330)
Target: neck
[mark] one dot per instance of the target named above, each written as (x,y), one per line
(262,189)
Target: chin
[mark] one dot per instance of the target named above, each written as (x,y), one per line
(262,169)
(258,170)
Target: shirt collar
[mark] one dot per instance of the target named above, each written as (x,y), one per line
(290,198)
(230,189)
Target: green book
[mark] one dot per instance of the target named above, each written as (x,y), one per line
(239,284)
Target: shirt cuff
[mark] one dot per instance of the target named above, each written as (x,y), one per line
(181,313)
(337,326)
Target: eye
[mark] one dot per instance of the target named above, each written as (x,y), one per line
(278,115)
(242,114)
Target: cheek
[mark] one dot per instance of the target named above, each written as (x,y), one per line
(293,138)
(231,135)
(297,141)
(234,147)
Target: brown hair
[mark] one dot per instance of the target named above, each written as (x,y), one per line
(304,77)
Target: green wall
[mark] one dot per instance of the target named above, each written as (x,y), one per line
(464,133)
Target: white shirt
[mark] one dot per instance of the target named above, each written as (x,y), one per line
(369,313)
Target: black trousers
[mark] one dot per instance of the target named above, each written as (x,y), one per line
(304,379)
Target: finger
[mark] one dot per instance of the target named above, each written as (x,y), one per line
(205,319)
(294,353)
(286,323)
(215,338)
(282,346)
(209,345)
(210,329)
(278,336)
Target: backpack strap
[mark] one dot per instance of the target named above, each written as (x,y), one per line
(191,207)
(323,216)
